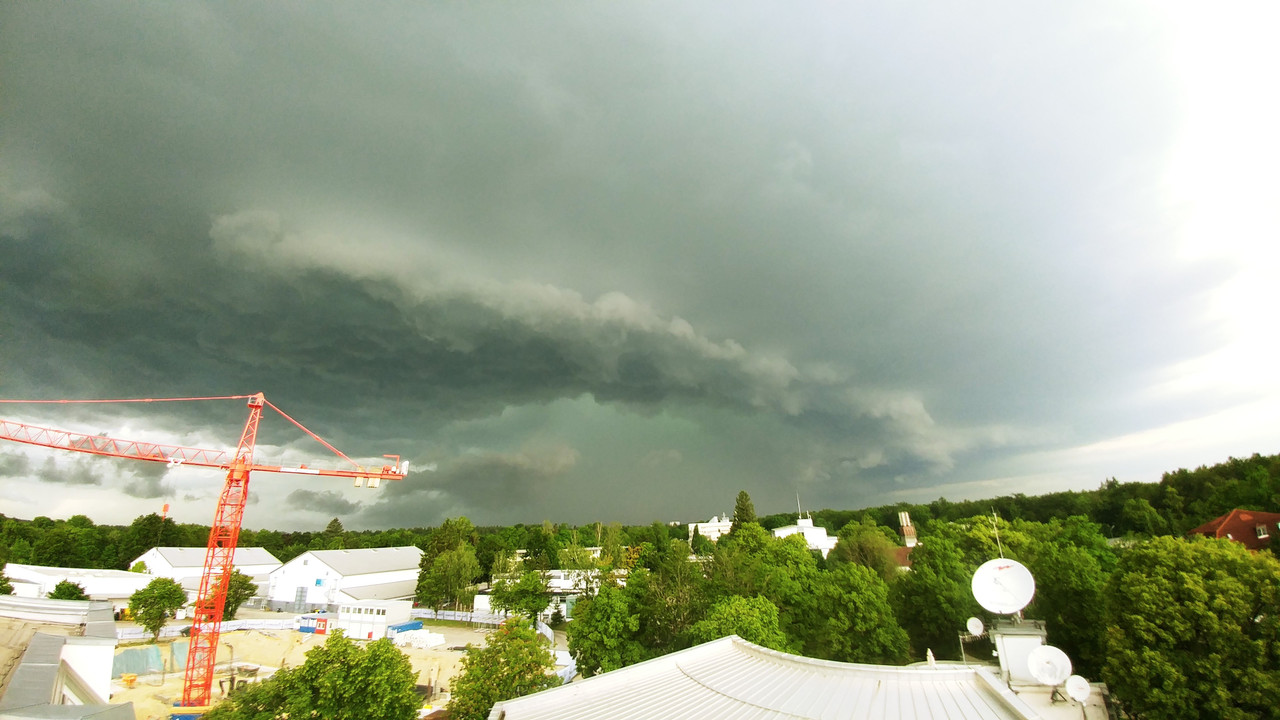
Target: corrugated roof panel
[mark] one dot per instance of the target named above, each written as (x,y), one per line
(735,680)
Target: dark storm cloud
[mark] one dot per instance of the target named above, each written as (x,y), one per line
(912,237)
(146,480)
(14,465)
(77,472)
(490,485)
(327,502)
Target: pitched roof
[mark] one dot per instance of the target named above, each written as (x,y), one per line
(1242,526)
(363,561)
(399,590)
(732,678)
(193,557)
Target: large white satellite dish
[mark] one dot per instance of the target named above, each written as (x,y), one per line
(975,627)
(1003,586)
(1078,688)
(1049,665)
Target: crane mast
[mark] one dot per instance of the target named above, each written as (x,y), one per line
(224,534)
(206,625)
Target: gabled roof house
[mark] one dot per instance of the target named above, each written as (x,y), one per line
(1251,528)
(324,579)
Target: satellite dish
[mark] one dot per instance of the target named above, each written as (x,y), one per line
(975,626)
(1078,688)
(1049,665)
(1003,586)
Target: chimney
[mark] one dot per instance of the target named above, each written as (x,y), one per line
(908,532)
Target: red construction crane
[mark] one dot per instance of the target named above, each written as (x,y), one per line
(206,625)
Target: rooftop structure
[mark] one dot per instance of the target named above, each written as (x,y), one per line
(60,676)
(731,677)
(1251,528)
(114,586)
(815,537)
(712,529)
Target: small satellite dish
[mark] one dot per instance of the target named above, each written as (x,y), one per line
(1003,586)
(1049,665)
(1078,688)
(975,626)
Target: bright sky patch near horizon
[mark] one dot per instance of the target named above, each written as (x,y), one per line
(617,262)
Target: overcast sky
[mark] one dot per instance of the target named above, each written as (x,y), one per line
(617,261)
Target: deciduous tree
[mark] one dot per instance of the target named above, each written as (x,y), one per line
(240,589)
(155,603)
(602,636)
(1193,630)
(338,681)
(526,596)
(449,580)
(67,590)
(515,661)
(752,619)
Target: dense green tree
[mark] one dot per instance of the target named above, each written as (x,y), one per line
(856,623)
(668,598)
(602,636)
(869,545)
(240,589)
(743,511)
(752,619)
(339,681)
(155,603)
(933,600)
(1193,631)
(450,578)
(514,661)
(526,595)
(67,590)
(6,587)
(148,531)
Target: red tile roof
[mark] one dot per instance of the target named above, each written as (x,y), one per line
(1250,528)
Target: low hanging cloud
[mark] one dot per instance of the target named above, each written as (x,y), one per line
(326,502)
(14,465)
(493,484)
(77,472)
(146,480)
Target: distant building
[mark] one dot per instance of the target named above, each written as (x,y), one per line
(1251,528)
(325,579)
(712,529)
(365,620)
(185,565)
(113,586)
(908,530)
(815,537)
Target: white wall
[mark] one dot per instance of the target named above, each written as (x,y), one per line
(323,584)
(91,658)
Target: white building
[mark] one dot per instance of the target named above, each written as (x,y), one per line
(185,565)
(815,537)
(325,579)
(713,528)
(60,670)
(731,677)
(114,586)
(369,619)
(181,563)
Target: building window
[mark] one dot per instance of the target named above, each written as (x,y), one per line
(1262,531)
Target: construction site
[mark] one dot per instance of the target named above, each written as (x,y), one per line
(247,656)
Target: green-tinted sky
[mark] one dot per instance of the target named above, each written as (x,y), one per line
(617,261)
